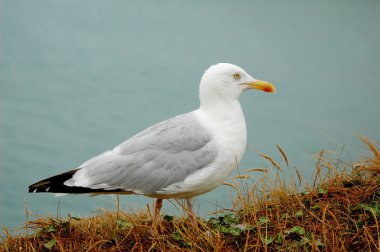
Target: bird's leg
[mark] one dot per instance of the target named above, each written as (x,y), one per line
(190,212)
(157,209)
(156,223)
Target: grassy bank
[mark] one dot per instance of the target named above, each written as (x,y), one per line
(338,211)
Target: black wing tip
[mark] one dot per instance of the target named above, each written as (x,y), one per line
(53,184)
(70,189)
(40,186)
(56,184)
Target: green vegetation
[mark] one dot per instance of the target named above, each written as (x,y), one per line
(339,211)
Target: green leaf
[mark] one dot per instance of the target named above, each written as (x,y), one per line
(319,243)
(176,236)
(122,224)
(304,241)
(309,236)
(298,214)
(315,207)
(360,221)
(224,229)
(322,190)
(307,202)
(267,239)
(168,218)
(63,224)
(230,219)
(214,221)
(73,217)
(50,244)
(372,208)
(263,220)
(50,228)
(279,238)
(243,227)
(296,230)
(235,231)
(285,216)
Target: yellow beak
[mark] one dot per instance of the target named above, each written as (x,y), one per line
(262,85)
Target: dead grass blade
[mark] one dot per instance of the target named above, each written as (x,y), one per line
(242,177)
(257,170)
(283,154)
(271,160)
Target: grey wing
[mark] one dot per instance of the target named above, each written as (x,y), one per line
(159,156)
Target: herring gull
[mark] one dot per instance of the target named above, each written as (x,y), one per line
(182,157)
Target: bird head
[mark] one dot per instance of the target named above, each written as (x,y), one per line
(227,82)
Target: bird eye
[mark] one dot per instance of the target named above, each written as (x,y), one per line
(237,76)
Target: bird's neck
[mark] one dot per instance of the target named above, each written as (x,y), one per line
(223,114)
(222,109)
(227,123)
(227,116)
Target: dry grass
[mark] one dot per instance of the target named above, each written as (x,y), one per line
(339,211)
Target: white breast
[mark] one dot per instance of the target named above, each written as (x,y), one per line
(230,138)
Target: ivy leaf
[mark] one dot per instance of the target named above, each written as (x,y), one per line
(298,214)
(224,229)
(322,190)
(279,238)
(122,224)
(243,227)
(50,228)
(285,216)
(50,244)
(214,221)
(319,243)
(176,236)
(235,231)
(263,220)
(296,230)
(168,218)
(375,208)
(73,217)
(304,241)
(230,219)
(267,239)
(315,207)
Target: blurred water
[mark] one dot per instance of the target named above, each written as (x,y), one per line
(79,77)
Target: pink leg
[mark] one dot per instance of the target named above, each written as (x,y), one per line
(190,212)
(157,217)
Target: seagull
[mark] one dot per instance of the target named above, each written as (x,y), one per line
(180,158)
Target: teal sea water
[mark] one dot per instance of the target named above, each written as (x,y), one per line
(79,77)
